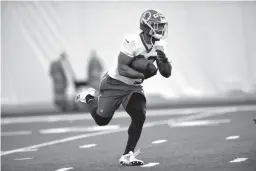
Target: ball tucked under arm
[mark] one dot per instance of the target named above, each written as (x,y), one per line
(141,64)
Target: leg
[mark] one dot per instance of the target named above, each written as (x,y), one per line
(92,107)
(136,108)
(102,109)
(103,106)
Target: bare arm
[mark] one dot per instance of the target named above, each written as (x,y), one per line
(125,70)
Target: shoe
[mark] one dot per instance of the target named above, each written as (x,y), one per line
(130,160)
(81,97)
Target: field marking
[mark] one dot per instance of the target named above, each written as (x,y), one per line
(118,114)
(232,137)
(27,158)
(78,129)
(238,160)
(30,150)
(65,169)
(88,146)
(146,125)
(159,141)
(72,138)
(15,133)
(87,116)
(199,123)
(149,165)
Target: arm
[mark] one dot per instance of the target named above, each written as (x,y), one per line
(123,68)
(164,66)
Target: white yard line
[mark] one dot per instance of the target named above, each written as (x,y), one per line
(232,137)
(30,150)
(88,146)
(27,158)
(159,141)
(78,129)
(118,114)
(150,165)
(65,169)
(148,124)
(14,133)
(199,123)
(238,160)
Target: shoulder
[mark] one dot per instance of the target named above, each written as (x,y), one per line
(130,44)
(132,38)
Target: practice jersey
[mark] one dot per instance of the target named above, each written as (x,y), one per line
(134,45)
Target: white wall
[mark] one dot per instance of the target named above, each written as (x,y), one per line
(211,44)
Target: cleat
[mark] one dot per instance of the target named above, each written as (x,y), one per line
(81,97)
(130,159)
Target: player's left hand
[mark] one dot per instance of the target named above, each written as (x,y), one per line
(164,66)
(161,56)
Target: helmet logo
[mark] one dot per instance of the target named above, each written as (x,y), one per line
(147,16)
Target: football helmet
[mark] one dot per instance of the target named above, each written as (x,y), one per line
(155,23)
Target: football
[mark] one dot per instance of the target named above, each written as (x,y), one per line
(142,65)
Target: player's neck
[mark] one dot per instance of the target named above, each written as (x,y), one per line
(148,40)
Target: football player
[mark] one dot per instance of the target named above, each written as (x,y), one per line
(122,83)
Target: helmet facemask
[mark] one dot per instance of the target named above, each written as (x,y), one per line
(158,30)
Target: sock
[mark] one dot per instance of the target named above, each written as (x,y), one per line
(128,149)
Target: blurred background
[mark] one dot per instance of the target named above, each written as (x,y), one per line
(51,50)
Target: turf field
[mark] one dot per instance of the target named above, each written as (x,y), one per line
(197,139)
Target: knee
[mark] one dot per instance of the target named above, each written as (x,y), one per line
(102,121)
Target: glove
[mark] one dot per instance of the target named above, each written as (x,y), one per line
(161,56)
(165,68)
